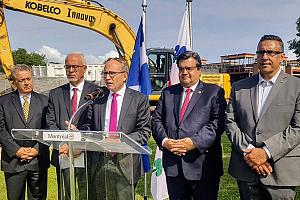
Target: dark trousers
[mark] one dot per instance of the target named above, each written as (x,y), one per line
(259,191)
(63,183)
(109,183)
(36,185)
(179,188)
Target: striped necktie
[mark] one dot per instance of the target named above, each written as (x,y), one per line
(26,107)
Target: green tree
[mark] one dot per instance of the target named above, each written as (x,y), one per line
(295,43)
(21,56)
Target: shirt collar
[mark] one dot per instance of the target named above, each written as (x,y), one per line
(28,95)
(272,80)
(79,87)
(120,92)
(193,87)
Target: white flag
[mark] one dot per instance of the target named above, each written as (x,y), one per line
(183,44)
(159,189)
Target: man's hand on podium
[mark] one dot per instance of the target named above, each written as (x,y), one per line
(64,151)
(72,127)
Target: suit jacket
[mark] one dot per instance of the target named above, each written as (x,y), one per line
(134,121)
(12,116)
(203,122)
(277,127)
(60,110)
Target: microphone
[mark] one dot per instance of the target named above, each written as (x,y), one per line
(94,95)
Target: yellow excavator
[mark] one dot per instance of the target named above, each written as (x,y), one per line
(93,16)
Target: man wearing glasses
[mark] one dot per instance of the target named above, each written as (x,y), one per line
(263,124)
(187,125)
(63,103)
(125,110)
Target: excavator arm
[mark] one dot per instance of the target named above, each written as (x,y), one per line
(76,12)
(6,59)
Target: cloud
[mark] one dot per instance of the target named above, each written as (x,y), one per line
(91,59)
(291,55)
(54,55)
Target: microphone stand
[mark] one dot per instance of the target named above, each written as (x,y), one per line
(71,158)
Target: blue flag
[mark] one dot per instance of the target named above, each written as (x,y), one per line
(139,77)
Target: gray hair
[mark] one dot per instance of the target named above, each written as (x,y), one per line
(121,60)
(19,67)
(78,54)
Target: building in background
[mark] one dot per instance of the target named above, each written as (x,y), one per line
(93,72)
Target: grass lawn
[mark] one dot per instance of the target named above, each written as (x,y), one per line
(228,189)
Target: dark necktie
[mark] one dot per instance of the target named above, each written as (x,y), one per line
(185,103)
(74,100)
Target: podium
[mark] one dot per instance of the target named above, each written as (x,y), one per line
(96,165)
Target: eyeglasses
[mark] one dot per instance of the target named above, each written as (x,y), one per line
(188,69)
(268,52)
(75,67)
(111,74)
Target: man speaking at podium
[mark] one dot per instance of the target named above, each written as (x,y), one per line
(63,103)
(125,110)
(23,161)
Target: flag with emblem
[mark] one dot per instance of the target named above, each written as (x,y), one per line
(183,44)
(159,189)
(139,77)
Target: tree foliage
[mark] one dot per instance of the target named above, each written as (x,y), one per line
(21,56)
(295,43)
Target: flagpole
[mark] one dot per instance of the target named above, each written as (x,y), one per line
(189,7)
(144,7)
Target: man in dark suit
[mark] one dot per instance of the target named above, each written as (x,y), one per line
(121,109)
(187,125)
(23,161)
(63,102)
(263,124)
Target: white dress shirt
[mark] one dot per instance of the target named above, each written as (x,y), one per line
(264,88)
(21,96)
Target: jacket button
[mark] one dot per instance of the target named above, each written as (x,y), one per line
(258,133)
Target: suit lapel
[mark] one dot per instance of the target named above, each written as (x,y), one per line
(67,99)
(253,95)
(85,90)
(177,103)
(17,105)
(282,78)
(100,110)
(195,98)
(125,105)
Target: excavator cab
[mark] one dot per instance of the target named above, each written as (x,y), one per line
(160,61)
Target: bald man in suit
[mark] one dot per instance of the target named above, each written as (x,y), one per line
(63,102)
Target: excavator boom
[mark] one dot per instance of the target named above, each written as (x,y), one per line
(79,13)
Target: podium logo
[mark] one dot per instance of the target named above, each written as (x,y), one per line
(71,136)
(61,136)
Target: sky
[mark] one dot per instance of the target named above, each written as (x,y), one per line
(220,27)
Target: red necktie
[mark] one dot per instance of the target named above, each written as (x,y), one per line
(74,100)
(185,103)
(113,113)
